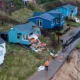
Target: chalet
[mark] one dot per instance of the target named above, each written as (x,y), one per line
(68,10)
(47,20)
(2,50)
(21,33)
(59,17)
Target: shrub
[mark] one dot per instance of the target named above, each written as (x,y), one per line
(42,39)
(53,36)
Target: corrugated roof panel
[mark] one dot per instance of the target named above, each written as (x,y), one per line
(47,16)
(25,27)
(55,15)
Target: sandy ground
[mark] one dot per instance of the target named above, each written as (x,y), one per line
(69,70)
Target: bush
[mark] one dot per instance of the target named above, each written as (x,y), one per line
(42,39)
(53,36)
(73,24)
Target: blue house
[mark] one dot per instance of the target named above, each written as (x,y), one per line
(38,13)
(59,17)
(68,10)
(47,20)
(20,33)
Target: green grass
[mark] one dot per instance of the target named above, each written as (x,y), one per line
(22,64)
(73,24)
(34,8)
(78,46)
(5,27)
(42,39)
(53,36)
(23,14)
(20,15)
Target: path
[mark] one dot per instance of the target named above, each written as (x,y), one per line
(54,64)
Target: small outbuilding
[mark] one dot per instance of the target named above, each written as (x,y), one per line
(21,33)
(2,50)
(47,20)
(68,10)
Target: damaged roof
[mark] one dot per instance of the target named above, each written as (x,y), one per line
(25,28)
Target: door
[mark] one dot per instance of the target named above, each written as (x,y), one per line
(39,23)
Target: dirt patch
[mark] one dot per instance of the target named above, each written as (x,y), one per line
(69,70)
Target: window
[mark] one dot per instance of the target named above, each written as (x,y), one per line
(39,23)
(18,35)
(25,37)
